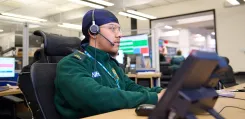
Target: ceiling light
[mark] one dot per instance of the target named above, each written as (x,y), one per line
(24,17)
(213,33)
(198,35)
(70,26)
(200,39)
(1,30)
(7,18)
(87,4)
(171,33)
(195,19)
(168,27)
(102,2)
(233,2)
(131,15)
(141,14)
(31,26)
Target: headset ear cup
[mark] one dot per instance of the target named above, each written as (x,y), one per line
(94,29)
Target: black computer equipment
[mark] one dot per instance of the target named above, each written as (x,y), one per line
(144,109)
(191,90)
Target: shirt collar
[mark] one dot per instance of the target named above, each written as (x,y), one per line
(101,55)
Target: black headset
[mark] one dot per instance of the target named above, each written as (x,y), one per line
(94,28)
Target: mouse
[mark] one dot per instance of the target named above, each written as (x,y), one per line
(144,109)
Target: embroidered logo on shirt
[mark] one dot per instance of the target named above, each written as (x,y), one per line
(115,73)
(78,57)
(95,74)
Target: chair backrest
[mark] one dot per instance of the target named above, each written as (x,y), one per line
(165,68)
(43,76)
(25,85)
(228,77)
(56,46)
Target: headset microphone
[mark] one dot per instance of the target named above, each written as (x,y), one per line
(107,39)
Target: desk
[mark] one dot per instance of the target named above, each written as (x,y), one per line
(145,75)
(10,92)
(228,113)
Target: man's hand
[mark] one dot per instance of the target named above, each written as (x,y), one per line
(159,95)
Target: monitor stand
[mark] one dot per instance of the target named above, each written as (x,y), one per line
(189,103)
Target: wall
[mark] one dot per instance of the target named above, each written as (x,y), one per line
(230,26)
(7,40)
(125,24)
(62,31)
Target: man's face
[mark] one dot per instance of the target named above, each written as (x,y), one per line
(112,32)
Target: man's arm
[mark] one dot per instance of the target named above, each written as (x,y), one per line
(132,86)
(80,90)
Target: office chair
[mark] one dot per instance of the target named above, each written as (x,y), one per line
(56,46)
(43,76)
(228,77)
(166,71)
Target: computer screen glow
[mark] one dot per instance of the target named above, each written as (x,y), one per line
(7,67)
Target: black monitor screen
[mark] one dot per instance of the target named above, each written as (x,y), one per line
(194,73)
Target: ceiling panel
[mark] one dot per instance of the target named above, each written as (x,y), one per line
(43,5)
(2,1)
(27,2)
(34,9)
(174,1)
(57,2)
(13,3)
(59,9)
(154,3)
(139,7)
(4,8)
(69,6)
(159,2)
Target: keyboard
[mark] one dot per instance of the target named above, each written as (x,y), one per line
(3,88)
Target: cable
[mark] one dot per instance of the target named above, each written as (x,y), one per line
(95,61)
(214,114)
(238,98)
(232,107)
(211,111)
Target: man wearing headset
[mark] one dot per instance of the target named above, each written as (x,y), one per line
(90,81)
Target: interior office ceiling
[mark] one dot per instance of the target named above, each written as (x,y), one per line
(37,8)
(200,19)
(57,11)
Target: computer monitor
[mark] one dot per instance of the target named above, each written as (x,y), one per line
(137,44)
(7,67)
(171,51)
(136,60)
(192,78)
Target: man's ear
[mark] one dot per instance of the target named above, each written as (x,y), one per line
(92,36)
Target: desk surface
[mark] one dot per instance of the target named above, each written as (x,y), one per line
(228,113)
(144,75)
(10,92)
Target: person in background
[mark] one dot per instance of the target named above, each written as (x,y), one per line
(162,53)
(177,60)
(89,81)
